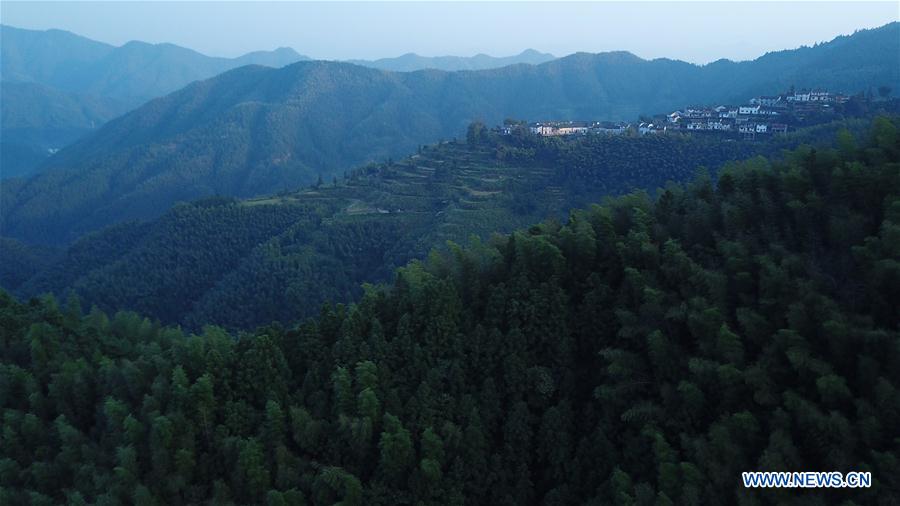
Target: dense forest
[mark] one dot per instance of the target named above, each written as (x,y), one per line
(643,352)
(240,264)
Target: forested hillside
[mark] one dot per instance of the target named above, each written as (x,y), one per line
(254,130)
(645,352)
(36,121)
(245,263)
(58,86)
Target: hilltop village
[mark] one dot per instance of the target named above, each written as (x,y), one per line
(761,116)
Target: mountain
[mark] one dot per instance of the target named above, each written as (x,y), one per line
(275,58)
(71,75)
(245,263)
(36,121)
(642,352)
(257,130)
(133,73)
(411,62)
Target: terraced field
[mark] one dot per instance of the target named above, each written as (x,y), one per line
(279,257)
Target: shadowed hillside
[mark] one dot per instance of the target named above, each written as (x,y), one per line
(246,263)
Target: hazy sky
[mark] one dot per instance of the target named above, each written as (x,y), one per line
(698,32)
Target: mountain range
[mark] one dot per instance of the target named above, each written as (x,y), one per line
(411,62)
(256,130)
(58,86)
(69,85)
(132,73)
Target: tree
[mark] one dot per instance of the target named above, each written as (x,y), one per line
(396,450)
(476,133)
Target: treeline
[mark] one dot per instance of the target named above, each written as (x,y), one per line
(646,352)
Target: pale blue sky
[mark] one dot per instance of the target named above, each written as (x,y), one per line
(696,32)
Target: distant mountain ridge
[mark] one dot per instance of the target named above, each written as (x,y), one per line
(411,62)
(134,72)
(74,74)
(256,130)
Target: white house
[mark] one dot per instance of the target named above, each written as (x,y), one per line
(799,97)
(571,130)
(646,128)
(768,101)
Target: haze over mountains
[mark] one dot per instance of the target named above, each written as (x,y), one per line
(411,62)
(257,130)
(68,85)
(36,120)
(133,73)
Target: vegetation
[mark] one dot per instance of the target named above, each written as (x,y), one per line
(241,264)
(58,86)
(36,120)
(256,131)
(644,352)
(21,262)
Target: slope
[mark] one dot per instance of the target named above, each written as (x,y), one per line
(258,130)
(72,72)
(644,352)
(36,121)
(275,258)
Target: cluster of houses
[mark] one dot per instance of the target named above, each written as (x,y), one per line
(747,120)
(762,115)
(552,128)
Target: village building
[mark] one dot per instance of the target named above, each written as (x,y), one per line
(764,115)
(767,101)
(608,127)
